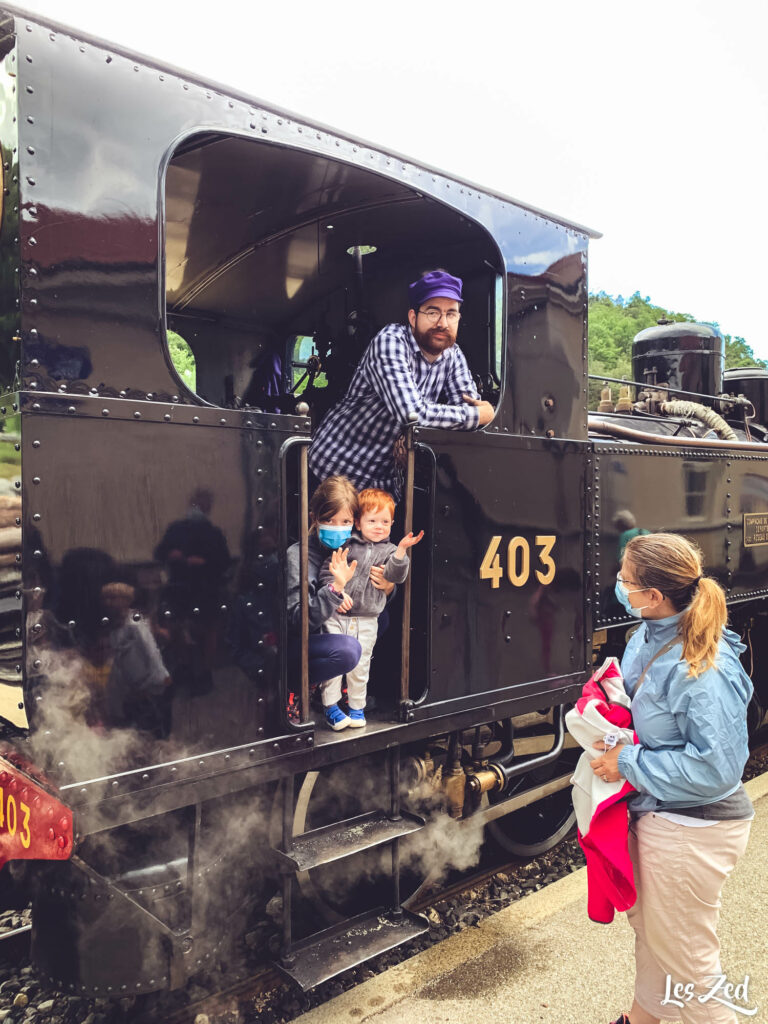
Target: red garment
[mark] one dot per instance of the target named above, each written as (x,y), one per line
(610,878)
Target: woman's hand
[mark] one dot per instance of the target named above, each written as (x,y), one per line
(341,571)
(606,766)
(379,581)
(346,604)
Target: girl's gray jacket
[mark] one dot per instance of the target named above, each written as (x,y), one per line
(323,602)
(367,600)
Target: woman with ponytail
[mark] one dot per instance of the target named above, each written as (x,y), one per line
(690,817)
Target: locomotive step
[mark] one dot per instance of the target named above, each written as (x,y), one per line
(343,838)
(328,953)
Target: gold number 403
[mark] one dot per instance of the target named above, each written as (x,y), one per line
(519,561)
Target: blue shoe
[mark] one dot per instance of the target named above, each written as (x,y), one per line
(357,718)
(336,718)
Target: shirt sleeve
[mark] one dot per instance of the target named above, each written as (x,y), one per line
(459,381)
(323,602)
(391,378)
(712,721)
(396,569)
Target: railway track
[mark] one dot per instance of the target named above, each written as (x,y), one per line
(248,999)
(264,995)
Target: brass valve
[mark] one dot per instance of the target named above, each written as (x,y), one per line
(483,780)
(606,400)
(624,403)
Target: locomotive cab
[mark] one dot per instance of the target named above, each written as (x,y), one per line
(280,266)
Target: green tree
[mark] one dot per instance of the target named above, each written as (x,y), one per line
(183,359)
(613,323)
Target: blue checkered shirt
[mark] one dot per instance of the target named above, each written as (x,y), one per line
(392,380)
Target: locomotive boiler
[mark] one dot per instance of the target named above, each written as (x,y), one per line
(162,768)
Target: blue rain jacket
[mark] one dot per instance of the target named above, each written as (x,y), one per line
(692,732)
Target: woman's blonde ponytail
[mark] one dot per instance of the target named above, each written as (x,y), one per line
(701,625)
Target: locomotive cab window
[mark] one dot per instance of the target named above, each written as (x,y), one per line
(281,265)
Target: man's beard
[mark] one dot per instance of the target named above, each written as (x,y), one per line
(434,346)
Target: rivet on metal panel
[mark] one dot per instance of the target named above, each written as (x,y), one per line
(195,419)
(71,623)
(136,616)
(137,415)
(71,409)
(223,419)
(35,479)
(195,611)
(37,517)
(167,417)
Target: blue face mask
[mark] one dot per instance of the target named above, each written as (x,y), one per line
(334,536)
(622,596)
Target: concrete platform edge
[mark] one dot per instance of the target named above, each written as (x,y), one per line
(399,982)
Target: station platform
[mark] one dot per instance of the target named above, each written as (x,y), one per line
(542,960)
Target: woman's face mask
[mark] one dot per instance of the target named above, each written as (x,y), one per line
(622,596)
(333,536)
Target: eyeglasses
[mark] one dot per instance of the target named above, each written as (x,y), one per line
(436,315)
(629,583)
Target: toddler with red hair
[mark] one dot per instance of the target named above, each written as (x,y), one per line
(370,547)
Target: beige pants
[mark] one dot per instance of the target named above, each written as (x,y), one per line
(365,630)
(679,875)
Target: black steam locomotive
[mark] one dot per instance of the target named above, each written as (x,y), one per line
(161,766)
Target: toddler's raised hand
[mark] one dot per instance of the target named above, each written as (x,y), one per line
(407,542)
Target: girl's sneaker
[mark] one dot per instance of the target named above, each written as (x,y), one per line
(357,718)
(621,1019)
(336,718)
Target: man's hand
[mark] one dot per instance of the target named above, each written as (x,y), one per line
(485,411)
(379,581)
(399,453)
(341,571)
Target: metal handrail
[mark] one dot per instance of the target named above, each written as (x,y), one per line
(405,650)
(304,442)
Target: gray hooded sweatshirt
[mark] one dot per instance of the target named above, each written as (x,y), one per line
(367,600)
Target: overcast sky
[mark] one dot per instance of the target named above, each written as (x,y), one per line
(646,121)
